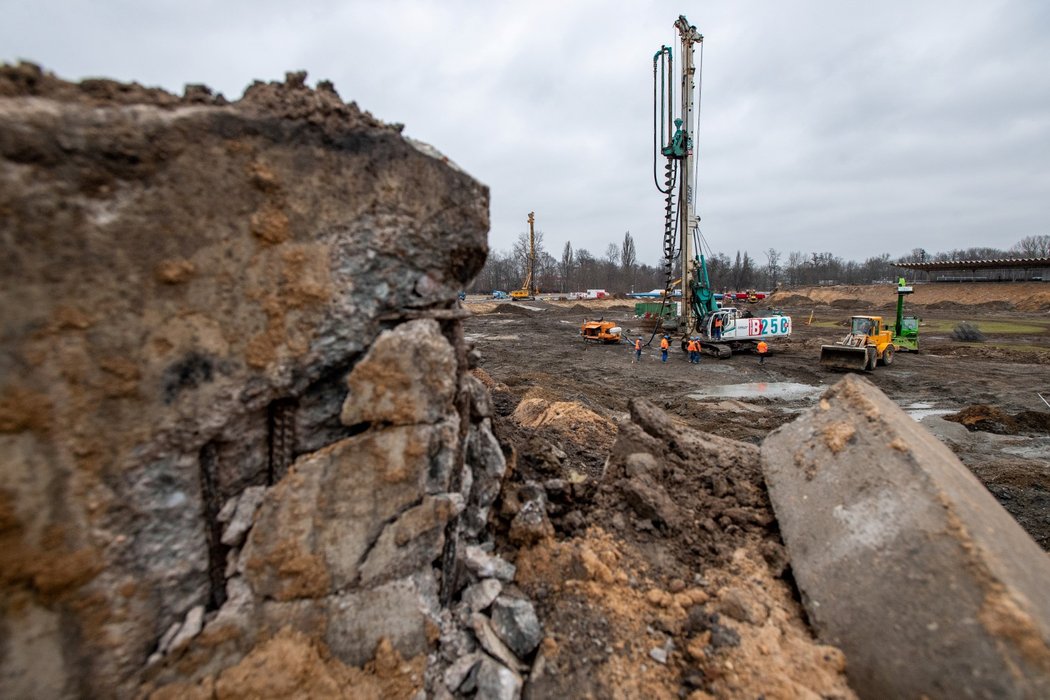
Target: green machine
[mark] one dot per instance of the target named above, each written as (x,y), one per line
(906,330)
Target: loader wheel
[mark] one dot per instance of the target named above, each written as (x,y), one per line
(887,356)
(873,359)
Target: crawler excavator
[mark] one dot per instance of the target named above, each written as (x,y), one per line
(529,289)
(698,307)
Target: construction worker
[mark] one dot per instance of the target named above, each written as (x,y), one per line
(665,344)
(762,350)
(717,327)
(694,351)
(637,350)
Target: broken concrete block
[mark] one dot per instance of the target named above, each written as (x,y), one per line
(403,611)
(515,621)
(412,541)
(202,296)
(487,463)
(904,560)
(407,377)
(318,524)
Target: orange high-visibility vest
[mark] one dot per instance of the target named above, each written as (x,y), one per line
(664,344)
(718,322)
(692,346)
(637,343)
(762,347)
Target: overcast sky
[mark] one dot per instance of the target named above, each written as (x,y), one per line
(853,127)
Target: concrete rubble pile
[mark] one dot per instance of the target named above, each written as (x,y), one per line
(235,406)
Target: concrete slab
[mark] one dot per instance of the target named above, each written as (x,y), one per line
(904,560)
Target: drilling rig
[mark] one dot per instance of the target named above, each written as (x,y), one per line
(673,134)
(529,288)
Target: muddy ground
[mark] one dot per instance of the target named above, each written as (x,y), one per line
(558,400)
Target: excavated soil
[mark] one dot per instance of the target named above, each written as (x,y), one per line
(675,584)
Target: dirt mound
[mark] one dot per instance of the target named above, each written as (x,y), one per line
(569,418)
(485,307)
(996,306)
(514,308)
(846,303)
(485,378)
(614,629)
(991,419)
(296,668)
(665,580)
(1022,296)
(785,299)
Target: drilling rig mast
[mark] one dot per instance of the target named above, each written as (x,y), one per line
(529,288)
(674,123)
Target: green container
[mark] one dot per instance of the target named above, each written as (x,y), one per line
(653,309)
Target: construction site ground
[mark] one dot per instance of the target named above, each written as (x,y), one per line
(635,609)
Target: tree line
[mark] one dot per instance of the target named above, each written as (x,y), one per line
(618,271)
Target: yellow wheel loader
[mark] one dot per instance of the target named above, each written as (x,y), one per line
(868,344)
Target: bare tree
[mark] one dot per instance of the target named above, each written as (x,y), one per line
(520,253)
(547,268)
(773,266)
(794,267)
(1033,247)
(567,266)
(628,258)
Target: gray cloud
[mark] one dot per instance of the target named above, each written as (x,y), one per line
(852,127)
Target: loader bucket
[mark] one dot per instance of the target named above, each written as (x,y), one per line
(844,357)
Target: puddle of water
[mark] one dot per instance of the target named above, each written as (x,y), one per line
(774,390)
(919,414)
(920,409)
(474,337)
(1038,448)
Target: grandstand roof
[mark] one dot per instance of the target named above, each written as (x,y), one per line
(1007,263)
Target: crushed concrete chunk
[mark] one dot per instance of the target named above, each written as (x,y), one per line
(460,669)
(407,377)
(191,627)
(243,516)
(480,595)
(497,682)
(515,621)
(491,642)
(485,565)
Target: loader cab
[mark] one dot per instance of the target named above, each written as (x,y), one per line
(864,325)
